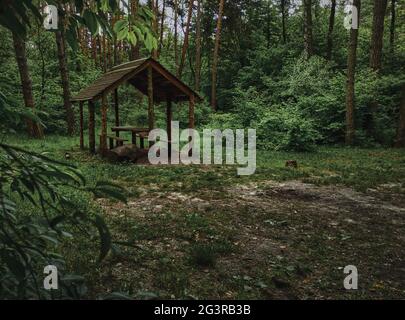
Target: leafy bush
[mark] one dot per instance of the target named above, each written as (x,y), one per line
(34,220)
(287,129)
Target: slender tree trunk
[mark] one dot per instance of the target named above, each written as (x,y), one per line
(135,54)
(34,129)
(155,10)
(94,50)
(283,5)
(216,56)
(329,47)
(392,26)
(104,55)
(268,29)
(198,48)
(186,39)
(380,7)
(351,71)
(162,27)
(400,143)
(308,38)
(176,35)
(64,73)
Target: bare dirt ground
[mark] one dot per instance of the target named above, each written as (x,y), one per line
(271,241)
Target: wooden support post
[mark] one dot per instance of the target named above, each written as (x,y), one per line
(117,111)
(92,128)
(81,125)
(103,140)
(191,117)
(169,116)
(151,111)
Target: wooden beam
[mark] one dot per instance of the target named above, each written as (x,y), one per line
(104,109)
(151,111)
(169,116)
(81,125)
(117,111)
(92,128)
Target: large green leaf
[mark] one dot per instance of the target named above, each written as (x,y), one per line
(91,21)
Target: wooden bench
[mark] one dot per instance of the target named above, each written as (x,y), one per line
(119,141)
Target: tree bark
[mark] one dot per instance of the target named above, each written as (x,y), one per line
(135,54)
(283,5)
(34,129)
(162,27)
(216,56)
(392,26)
(64,73)
(176,36)
(380,7)
(186,40)
(351,71)
(329,47)
(198,48)
(400,143)
(94,50)
(308,38)
(155,10)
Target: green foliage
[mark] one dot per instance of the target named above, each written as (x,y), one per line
(288,130)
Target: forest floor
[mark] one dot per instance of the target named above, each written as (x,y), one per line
(203,232)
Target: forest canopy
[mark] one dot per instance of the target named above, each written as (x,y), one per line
(278,66)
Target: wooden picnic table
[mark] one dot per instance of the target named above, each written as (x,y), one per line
(141,132)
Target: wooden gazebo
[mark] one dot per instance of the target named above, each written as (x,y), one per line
(150,78)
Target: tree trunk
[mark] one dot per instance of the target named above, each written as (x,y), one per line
(176,36)
(135,54)
(216,54)
(392,27)
(186,36)
(308,39)
(198,48)
(34,129)
(329,47)
(155,10)
(64,72)
(400,143)
(351,71)
(380,7)
(94,50)
(162,27)
(283,4)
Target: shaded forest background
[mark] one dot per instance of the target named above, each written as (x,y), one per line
(282,67)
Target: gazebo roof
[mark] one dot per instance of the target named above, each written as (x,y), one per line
(165,84)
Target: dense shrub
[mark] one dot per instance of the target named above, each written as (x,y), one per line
(287,129)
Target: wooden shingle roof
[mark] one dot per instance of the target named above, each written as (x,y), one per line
(165,84)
